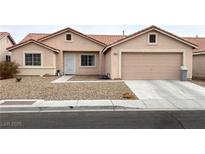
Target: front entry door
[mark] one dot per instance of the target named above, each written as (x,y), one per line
(69,63)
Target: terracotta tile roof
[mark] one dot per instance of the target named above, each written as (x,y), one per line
(200,41)
(111,39)
(7,34)
(106,39)
(3,34)
(34,36)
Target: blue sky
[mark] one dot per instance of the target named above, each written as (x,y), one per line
(19,32)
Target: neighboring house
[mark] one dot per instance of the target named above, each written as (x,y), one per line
(5,41)
(198,57)
(151,53)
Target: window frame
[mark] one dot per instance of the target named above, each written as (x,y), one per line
(66,37)
(8,58)
(88,55)
(32,61)
(156,39)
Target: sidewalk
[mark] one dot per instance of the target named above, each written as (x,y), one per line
(100,105)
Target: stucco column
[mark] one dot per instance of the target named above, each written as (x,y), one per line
(61,61)
(184,63)
(101,63)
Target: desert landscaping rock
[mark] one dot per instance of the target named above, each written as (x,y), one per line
(41,88)
(199,82)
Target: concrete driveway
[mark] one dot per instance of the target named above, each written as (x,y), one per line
(168,93)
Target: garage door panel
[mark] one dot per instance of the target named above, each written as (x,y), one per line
(151,65)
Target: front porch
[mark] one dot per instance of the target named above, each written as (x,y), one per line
(81,63)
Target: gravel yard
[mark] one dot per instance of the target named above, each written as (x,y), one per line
(199,82)
(41,88)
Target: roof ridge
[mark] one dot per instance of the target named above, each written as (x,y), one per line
(85,34)
(106,35)
(39,33)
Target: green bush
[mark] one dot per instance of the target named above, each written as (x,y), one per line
(8,70)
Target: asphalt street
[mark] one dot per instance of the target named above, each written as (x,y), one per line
(104,120)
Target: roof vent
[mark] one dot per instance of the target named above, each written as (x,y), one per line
(197,36)
(123,33)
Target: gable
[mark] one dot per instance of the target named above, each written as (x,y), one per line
(164,42)
(48,56)
(31,47)
(78,43)
(5,42)
(149,30)
(36,43)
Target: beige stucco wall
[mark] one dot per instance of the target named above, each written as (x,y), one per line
(199,66)
(78,44)
(48,60)
(37,71)
(85,70)
(139,44)
(4,43)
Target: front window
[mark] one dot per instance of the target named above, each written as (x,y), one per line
(32,59)
(8,58)
(87,60)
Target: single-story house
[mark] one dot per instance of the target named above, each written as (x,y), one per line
(5,41)
(151,53)
(198,57)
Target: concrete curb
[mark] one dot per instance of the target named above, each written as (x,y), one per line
(84,109)
(94,105)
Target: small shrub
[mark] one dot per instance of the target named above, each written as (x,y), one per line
(18,79)
(46,75)
(128,95)
(8,69)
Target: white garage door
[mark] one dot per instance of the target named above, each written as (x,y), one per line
(151,66)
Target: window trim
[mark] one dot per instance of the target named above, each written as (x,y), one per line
(148,39)
(87,55)
(66,37)
(32,66)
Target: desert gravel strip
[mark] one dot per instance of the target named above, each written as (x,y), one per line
(41,88)
(199,82)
